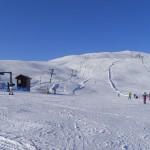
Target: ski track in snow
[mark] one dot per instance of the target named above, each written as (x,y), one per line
(112,84)
(76,131)
(9,144)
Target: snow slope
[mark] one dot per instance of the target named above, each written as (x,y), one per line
(86,113)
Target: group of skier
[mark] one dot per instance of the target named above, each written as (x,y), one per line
(145,96)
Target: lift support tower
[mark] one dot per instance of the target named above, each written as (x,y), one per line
(10,77)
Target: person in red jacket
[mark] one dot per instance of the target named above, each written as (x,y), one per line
(149,96)
(144,97)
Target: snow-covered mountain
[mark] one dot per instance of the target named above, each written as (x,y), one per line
(87,111)
(130,71)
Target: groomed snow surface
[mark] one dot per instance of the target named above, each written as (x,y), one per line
(86,113)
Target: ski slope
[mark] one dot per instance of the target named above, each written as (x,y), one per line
(86,113)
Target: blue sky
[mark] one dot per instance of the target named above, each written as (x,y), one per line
(46,29)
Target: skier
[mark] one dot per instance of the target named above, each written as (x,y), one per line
(47,90)
(134,95)
(55,87)
(144,97)
(130,95)
(149,96)
(11,90)
(8,85)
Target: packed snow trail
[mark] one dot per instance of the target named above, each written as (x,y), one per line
(80,86)
(111,81)
(65,122)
